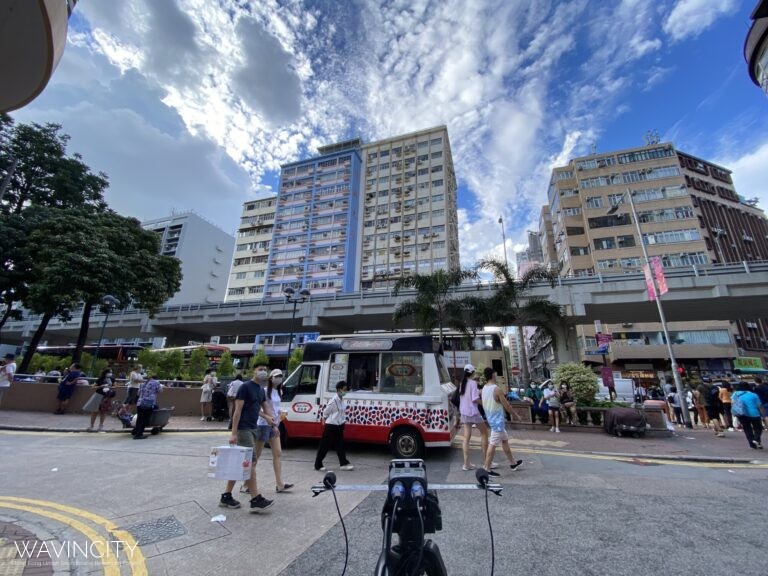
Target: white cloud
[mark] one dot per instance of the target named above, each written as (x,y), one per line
(750,174)
(689,18)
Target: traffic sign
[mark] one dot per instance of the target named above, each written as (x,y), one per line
(599,352)
(515,371)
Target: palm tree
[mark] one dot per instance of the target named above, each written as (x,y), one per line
(512,304)
(434,306)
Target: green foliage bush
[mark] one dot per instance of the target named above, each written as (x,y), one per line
(582,380)
(226,367)
(297,356)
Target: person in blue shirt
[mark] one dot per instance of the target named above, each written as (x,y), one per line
(746,405)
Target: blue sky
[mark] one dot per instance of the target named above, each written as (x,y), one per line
(194,104)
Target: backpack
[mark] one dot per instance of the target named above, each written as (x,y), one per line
(737,404)
(714,396)
(456,397)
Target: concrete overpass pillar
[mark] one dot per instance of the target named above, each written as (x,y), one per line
(566,346)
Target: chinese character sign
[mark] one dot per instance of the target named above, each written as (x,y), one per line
(658,272)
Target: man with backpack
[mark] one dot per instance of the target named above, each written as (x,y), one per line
(746,405)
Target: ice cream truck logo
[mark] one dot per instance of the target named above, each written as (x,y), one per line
(401,370)
(302,407)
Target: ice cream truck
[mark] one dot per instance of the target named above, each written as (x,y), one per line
(399,391)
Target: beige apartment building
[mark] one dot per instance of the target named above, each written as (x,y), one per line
(408,215)
(254,236)
(689,215)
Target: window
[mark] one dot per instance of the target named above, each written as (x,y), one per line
(240,275)
(438,154)
(684,259)
(302,381)
(579,250)
(626,241)
(672,236)
(642,155)
(609,221)
(594,202)
(606,264)
(436,141)
(653,174)
(437,168)
(565,175)
(630,262)
(437,183)
(574,230)
(604,243)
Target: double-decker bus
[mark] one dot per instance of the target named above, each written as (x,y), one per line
(213,351)
(119,356)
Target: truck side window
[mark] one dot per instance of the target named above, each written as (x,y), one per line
(302,381)
(402,373)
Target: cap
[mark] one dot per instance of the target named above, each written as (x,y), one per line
(469,368)
(10,356)
(275,372)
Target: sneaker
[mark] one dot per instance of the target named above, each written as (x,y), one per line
(470,467)
(90,429)
(284,488)
(493,473)
(202,419)
(259,504)
(730,429)
(494,465)
(142,437)
(227,501)
(552,429)
(557,430)
(347,467)
(321,469)
(517,465)
(759,446)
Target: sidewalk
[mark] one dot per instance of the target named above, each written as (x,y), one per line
(698,444)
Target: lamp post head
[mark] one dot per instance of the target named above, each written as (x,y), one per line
(288,292)
(501,220)
(109,302)
(304,293)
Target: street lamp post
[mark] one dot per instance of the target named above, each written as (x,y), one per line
(109,303)
(294,297)
(673,362)
(504,240)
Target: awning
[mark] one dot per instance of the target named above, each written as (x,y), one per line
(750,371)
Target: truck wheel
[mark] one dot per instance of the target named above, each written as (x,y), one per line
(406,443)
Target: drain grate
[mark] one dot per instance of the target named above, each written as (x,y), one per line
(157,530)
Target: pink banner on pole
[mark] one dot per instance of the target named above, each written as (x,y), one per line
(658,272)
(649,282)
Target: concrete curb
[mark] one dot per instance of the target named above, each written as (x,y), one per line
(677,458)
(121,431)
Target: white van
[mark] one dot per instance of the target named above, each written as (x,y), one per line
(399,394)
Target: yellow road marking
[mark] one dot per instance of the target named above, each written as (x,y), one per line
(515,442)
(137,560)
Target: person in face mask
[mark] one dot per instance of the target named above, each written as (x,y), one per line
(335,416)
(100,402)
(535,396)
(552,398)
(250,403)
(271,432)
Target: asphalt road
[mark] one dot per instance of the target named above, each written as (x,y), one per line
(561,514)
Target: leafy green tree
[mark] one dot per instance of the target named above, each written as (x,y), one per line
(582,380)
(226,367)
(170,364)
(297,356)
(435,306)
(513,305)
(149,359)
(260,357)
(198,363)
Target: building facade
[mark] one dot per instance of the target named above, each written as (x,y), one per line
(254,238)
(689,214)
(409,221)
(205,252)
(315,240)
(756,46)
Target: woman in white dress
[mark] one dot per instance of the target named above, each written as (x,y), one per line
(206,395)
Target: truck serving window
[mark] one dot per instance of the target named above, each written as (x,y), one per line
(402,373)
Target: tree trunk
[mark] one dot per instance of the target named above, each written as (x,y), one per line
(83,334)
(34,343)
(6,315)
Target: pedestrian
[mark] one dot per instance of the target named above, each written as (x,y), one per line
(709,398)
(335,416)
(495,404)
(53,375)
(7,372)
(568,400)
(267,432)
(100,402)
(469,398)
(552,398)
(692,409)
(67,386)
(535,396)
(135,379)
(746,405)
(206,394)
(250,403)
(725,402)
(674,401)
(145,405)
(234,386)
(761,389)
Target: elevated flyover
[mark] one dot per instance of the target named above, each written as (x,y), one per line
(731,292)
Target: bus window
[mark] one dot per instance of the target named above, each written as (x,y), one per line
(402,373)
(302,381)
